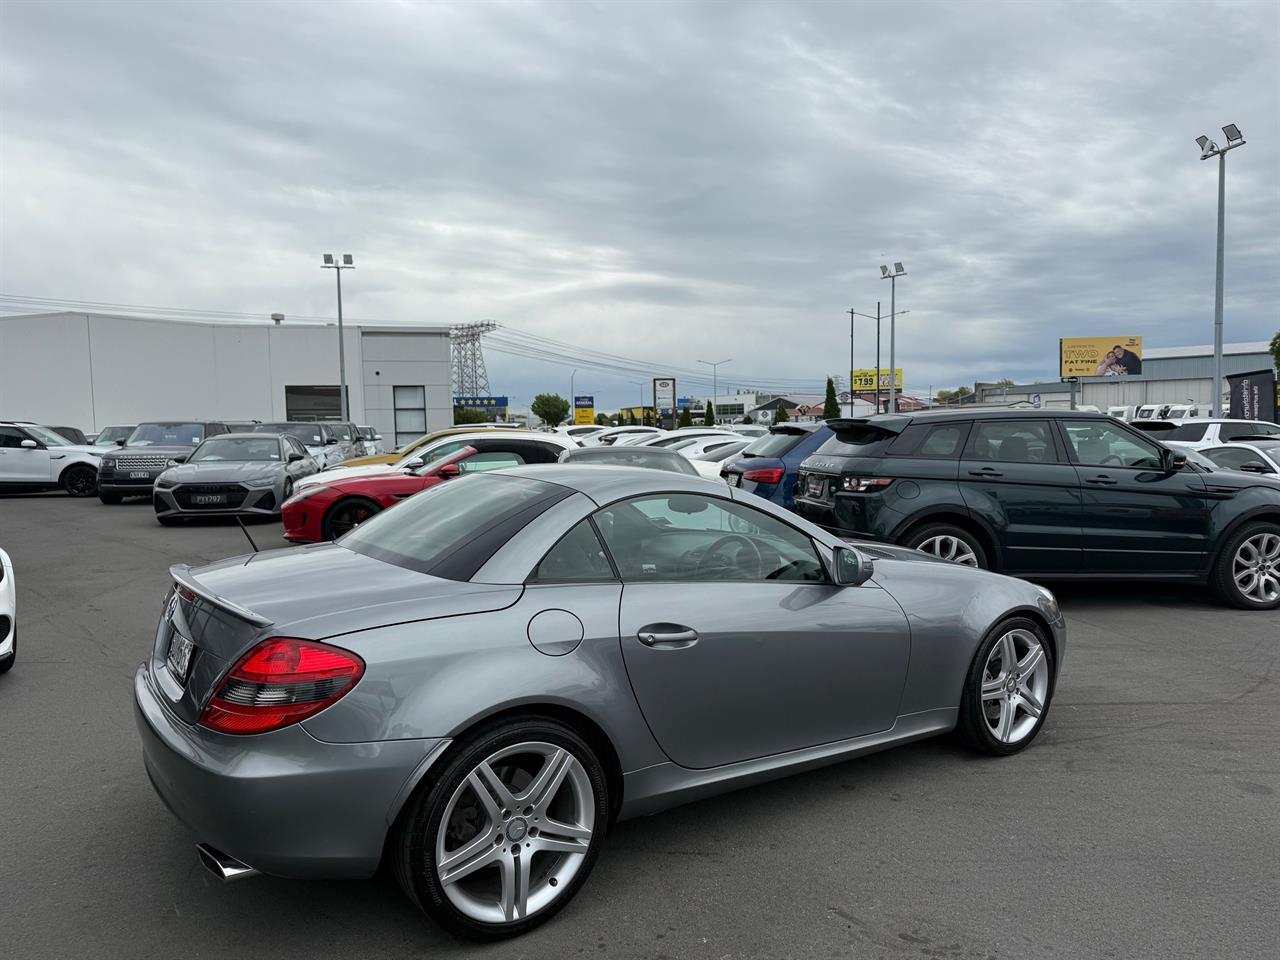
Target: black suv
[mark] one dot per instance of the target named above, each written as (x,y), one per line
(1046,494)
(131,471)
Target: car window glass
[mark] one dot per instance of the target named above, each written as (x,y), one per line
(773,444)
(1189,432)
(435,453)
(932,440)
(578,556)
(682,536)
(1012,441)
(12,437)
(1100,444)
(494,460)
(237,448)
(169,433)
(1231,457)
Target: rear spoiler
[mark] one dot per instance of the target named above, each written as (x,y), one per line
(885,423)
(181,574)
(1251,437)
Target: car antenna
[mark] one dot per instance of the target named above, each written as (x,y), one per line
(245,531)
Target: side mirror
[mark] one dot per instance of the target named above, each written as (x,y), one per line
(295,457)
(29,444)
(377,436)
(180,458)
(331,440)
(120,441)
(1256,466)
(448,471)
(1174,460)
(852,569)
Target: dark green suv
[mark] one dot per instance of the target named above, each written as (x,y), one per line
(1047,494)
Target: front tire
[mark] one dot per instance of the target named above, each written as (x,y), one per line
(347,514)
(1008,689)
(80,481)
(506,835)
(1247,571)
(948,542)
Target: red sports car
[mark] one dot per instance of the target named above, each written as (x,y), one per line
(326,512)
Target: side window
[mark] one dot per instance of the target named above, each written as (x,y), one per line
(578,556)
(12,437)
(1098,443)
(1012,441)
(296,447)
(932,440)
(681,536)
(493,460)
(1231,457)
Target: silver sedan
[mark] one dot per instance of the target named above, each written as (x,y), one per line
(233,473)
(478,681)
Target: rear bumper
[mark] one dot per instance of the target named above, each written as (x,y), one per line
(284,802)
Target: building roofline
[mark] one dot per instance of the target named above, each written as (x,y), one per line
(266,324)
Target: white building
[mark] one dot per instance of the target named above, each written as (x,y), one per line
(89,370)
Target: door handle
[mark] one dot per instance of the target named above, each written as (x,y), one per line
(1101,480)
(986,472)
(667,635)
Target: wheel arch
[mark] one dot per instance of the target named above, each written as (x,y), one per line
(346,500)
(1263,514)
(88,465)
(957,517)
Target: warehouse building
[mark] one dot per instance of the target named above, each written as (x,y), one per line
(89,370)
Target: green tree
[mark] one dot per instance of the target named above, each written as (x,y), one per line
(550,408)
(830,405)
(465,415)
(952,396)
(1275,349)
(747,420)
(686,417)
(709,414)
(602,420)
(780,415)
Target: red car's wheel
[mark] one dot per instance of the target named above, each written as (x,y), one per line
(346,514)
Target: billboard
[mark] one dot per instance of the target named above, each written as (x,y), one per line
(1253,395)
(584,411)
(866,379)
(494,405)
(664,400)
(1100,356)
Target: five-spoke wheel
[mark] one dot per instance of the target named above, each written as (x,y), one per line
(1008,688)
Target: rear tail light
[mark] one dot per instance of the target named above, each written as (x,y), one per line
(865,484)
(770,475)
(280,682)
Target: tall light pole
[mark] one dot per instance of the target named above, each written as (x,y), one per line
(876,318)
(892,276)
(331,262)
(572,373)
(1210,149)
(715,391)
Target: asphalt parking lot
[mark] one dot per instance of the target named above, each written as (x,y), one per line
(1144,822)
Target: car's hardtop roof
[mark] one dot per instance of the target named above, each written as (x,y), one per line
(248,435)
(173,423)
(605,453)
(607,482)
(897,422)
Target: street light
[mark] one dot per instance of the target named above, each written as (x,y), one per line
(331,262)
(1210,149)
(854,313)
(892,276)
(715,392)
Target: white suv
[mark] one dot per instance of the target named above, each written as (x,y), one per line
(35,458)
(1200,434)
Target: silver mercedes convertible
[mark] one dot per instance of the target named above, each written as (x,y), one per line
(478,681)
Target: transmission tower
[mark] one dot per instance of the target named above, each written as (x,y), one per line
(470,379)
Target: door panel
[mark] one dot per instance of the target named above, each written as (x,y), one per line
(773,666)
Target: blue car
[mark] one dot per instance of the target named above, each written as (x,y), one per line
(768,466)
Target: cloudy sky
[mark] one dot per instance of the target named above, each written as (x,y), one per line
(661,181)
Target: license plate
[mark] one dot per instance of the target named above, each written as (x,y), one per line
(139,475)
(178,659)
(735,479)
(206,499)
(813,486)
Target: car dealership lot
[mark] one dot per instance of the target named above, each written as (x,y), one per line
(1143,821)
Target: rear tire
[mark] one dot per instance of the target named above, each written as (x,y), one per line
(110,498)
(80,480)
(1008,689)
(1247,571)
(345,515)
(949,542)
(442,820)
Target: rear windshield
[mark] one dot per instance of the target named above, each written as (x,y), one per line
(856,442)
(308,434)
(773,444)
(450,530)
(1188,431)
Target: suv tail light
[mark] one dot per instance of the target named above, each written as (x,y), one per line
(865,484)
(280,682)
(770,475)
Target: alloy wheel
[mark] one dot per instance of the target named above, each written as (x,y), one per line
(515,832)
(347,517)
(1015,685)
(946,547)
(81,483)
(1256,567)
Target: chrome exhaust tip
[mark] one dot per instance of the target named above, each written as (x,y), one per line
(223,867)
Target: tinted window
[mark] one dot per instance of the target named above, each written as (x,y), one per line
(858,441)
(112,434)
(578,556)
(1098,443)
(1012,441)
(932,440)
(692,537)
(237,448)
(170,433)
(1233,458)
(295,446)
(430,532)
(306,433)
(1229,431)
(45,436)
(12,437)
(773,444)
(1189,432)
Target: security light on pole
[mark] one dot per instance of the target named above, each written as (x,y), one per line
(892,276)
(1210,149)
(715,392)
(331,262)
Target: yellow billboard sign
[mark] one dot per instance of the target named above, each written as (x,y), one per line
(866,379)
(1100,356)
(584,411)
